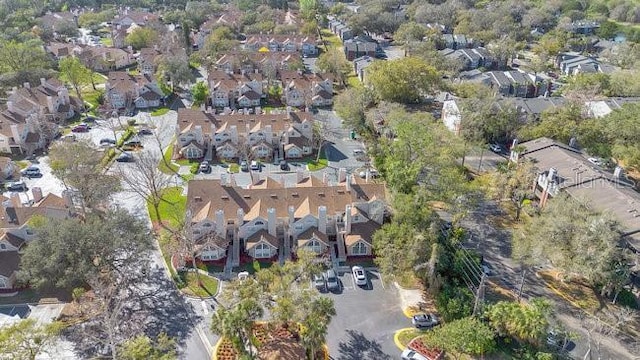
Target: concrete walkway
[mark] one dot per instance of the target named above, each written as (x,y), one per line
(411,300)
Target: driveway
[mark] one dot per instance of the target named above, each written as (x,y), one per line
(366,320)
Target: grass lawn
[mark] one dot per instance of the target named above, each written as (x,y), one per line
(172,207)
(165,165)
(253,267)
(106,41)
(330,39)
(22,164)
(312,165)
(160,111)
(208,287)
(575,292)
(353,81)
(406,335)
(186,162)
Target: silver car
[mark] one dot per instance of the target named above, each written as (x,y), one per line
(319,283)
(332,280)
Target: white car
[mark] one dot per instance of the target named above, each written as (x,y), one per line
(596,161)
(409,354)
(359,275)
(255,165)
(495,148)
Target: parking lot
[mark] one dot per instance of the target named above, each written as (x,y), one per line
(366,319)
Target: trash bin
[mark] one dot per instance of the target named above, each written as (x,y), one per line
(352,135)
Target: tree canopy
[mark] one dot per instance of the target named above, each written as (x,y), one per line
(26,340)
(576,240)
(407,80)
(67,252)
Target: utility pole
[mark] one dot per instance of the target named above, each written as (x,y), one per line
(524,274)
(479,295)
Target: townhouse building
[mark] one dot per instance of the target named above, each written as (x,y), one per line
(286,135)
(269,220)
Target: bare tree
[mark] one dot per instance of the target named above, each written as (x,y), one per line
(245,149)
(321,135)
(146,180)
(192,239)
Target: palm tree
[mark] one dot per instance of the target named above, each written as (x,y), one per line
(316,323)
(236,323)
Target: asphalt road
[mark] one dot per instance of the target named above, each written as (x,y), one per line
(495,246)
(366,320)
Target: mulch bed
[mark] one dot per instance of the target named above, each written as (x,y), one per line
(271,340)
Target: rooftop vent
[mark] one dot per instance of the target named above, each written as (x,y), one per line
(224,197)
(274,196)
(246,196)
(294,194)
(197,198)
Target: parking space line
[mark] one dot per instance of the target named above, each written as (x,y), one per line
(381,281)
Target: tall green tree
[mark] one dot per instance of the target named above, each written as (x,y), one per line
(72,71)
(315,323)
(26,340)
(526,322)
(351,105)
(68,252)
(464,336)
(144,348)
(407,80)
(334,63)
(175,69)
(24,56)
(578,241)
(199,92)
(142,37)
(515,184)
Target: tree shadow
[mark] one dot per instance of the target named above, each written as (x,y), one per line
(332,153)
(357,347)
(150,308)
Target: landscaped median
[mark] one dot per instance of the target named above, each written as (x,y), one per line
(272,342)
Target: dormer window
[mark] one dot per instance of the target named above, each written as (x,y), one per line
(259,222)
(3,246)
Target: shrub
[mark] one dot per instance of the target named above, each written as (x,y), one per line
(131,122)
(454,302)
(194,168)
(627,298)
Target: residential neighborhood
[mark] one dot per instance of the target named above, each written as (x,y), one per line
(368,179)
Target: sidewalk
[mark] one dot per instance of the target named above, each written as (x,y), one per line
(412,300)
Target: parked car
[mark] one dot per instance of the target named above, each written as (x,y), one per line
(17,186)
(359,275)
(372,172)
(204,166)
(422,321)
(596,161)
(319,283)
(332,280)
(145,131)
(82,127)
(31,172)
(107,141)
(255,165)
(133,144)
(124,157)
(495,148)
(409,354)
(244,166)
(283,165)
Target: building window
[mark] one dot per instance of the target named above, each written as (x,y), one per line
(262,251)
(259,223)
(3,246)
(315,246)
(3,284)
(359,249)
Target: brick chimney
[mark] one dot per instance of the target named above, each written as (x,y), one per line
(272,221)
(342,175)
(220,223)
(347,221)
(37,194)
(15,200)
(322,219)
